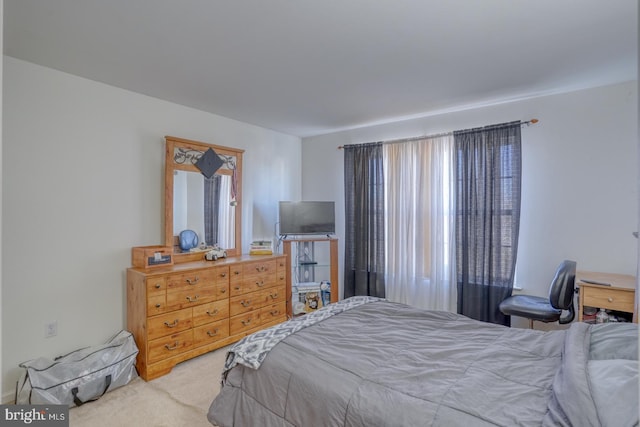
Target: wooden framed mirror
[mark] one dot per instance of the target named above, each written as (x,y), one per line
(187,190)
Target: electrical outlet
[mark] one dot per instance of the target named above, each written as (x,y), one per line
(51,329)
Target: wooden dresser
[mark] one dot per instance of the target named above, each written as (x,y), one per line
(181,311)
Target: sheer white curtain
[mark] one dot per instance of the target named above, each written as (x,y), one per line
(420,217)
(226,216)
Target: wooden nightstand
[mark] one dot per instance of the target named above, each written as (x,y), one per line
(619,296)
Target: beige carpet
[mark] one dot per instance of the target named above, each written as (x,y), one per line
(181,398)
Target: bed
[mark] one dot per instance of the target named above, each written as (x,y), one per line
(369,362)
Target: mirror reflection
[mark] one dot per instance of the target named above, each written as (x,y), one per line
(220,222)
(204,206)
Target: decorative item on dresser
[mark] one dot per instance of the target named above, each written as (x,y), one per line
(188,305)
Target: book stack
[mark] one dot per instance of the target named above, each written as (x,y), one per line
(304,287)
(261,247)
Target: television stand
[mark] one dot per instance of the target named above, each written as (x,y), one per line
(310,259)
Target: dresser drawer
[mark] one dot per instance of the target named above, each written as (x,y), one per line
(156,304)
(192,279)
(190,297)
(211,332)
(281,278)
(156,285)
(274,313)
(221,290)
(611,299)
(235,273)
(273,295)
(245,303)
(221,274)
(169,323)
(259,282)
(171,345)
(253,283)
(244,322)
(211,312)
(259,267)
(237,288)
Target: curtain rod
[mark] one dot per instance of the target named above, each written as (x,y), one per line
(393,141)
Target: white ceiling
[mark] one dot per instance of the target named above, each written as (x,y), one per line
(308,67)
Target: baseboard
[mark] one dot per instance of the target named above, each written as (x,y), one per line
(9,397)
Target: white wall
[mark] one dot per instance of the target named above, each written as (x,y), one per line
(1,97)
(579,189)
(83,182)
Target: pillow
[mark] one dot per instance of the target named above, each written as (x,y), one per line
(614,341)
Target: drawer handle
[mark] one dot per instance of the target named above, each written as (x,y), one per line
(158,286)
(261,268)
(274,296)
(223,274)
(158,305)
(260,283)
(194,299)
(223,290)
(246,322)
(175,345)
(237,288)
(610,299)
(212,313)
(236,272)
(171,325)
(194,281)
(275,312)
(214,333)
(246,303)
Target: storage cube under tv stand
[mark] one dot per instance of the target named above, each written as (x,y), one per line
(290,248)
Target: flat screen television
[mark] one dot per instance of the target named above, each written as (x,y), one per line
(307,218)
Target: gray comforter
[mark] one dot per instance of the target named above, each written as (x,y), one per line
(387,364)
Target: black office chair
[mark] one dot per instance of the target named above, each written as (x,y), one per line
(547,309)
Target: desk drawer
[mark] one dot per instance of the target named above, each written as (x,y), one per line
(610,299)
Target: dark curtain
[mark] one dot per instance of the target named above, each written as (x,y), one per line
(211,209)
(488,216)
(364,214)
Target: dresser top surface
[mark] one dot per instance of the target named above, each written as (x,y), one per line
(193,265)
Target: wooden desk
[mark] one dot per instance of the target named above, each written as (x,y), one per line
(620,296)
